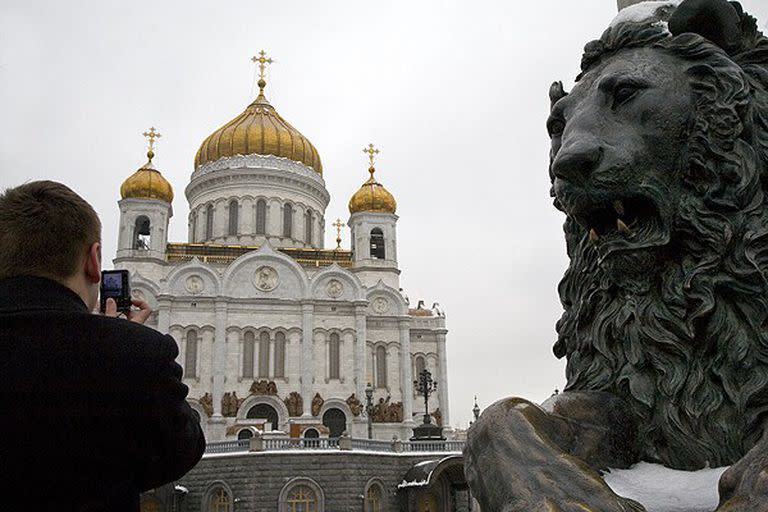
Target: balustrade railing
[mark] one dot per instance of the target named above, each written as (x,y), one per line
(334,443)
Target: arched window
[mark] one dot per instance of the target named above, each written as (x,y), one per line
(261,217)
(249,344)
(381,366)
(264,354)
(246,433)
(279,354)
(377,244)
(190,355)
(301,495)
(373,498)
(420,365)
(263,412)
(311,433)
(333,356)
(219,500)
(308,226)
(209,222)
(287,220)
(141,234)
(233,215)
(301,498)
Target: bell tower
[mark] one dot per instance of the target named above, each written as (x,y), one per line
(145,210)
(373,227)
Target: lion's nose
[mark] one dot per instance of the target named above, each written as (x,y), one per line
(576,161)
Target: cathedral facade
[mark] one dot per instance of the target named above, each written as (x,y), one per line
(277,334)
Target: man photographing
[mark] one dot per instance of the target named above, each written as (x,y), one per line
(93,408)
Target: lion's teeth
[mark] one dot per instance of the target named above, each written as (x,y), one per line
(593,236)
(618,206)
(623,228)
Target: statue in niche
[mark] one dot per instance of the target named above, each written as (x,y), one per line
(295,404)
(206,402)
(354,405)
(317,404)
(659,161)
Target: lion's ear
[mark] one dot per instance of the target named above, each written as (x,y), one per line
(719,21)
(556,92)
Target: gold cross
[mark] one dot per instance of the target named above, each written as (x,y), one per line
(263,60)
(338,225)
(151,135)
(371,152)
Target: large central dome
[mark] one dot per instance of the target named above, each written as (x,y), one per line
(259,130)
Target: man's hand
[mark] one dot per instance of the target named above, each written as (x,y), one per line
(135,315)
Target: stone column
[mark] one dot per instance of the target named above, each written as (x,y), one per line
(219,356)
(442,381)
(307,354)
(164,315)
(359,352)
(406,375)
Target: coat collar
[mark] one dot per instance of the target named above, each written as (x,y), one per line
(31,293)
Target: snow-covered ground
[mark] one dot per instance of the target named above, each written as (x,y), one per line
(662,489)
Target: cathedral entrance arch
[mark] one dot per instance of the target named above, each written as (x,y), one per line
(263,412)
(336,421)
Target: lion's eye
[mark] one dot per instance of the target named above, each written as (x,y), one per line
(624,92)
(555,127)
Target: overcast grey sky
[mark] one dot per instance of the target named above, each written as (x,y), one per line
(454,93)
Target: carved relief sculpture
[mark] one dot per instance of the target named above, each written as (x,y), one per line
(206,402)
(659,161)
(317,404)
(295,404)
(438,416)
(263,387)
(194,284)
(230,404)
(265,278)
(354,405)
(334,289)
(386,412)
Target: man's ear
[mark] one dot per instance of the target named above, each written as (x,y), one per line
(93,263)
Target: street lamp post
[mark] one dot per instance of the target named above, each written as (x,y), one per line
(369,408)
(426,386)
(426,431)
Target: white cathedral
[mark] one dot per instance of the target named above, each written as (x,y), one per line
(277,334)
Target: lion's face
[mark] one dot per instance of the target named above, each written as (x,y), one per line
(616,142)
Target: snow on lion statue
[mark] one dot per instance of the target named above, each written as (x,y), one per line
(659,161)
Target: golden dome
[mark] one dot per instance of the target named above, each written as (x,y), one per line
(372,197)
(260,130)
(147,183)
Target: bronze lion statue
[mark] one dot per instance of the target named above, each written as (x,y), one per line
(659,161)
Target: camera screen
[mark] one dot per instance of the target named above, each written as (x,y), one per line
(112,284)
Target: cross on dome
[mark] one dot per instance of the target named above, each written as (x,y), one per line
(338,225)
(262,60)
(151,135)
(371,152)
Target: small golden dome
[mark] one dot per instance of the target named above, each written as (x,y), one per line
(259,130)
(372,197)
(147,183)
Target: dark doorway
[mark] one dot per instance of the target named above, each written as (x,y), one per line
(263,412)
(336,421)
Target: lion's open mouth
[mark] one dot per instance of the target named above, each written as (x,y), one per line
(623,223)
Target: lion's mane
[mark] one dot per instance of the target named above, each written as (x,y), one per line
(687,347)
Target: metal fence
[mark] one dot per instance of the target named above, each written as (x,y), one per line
(335,443)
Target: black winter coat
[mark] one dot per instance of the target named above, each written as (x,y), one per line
(92,409)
